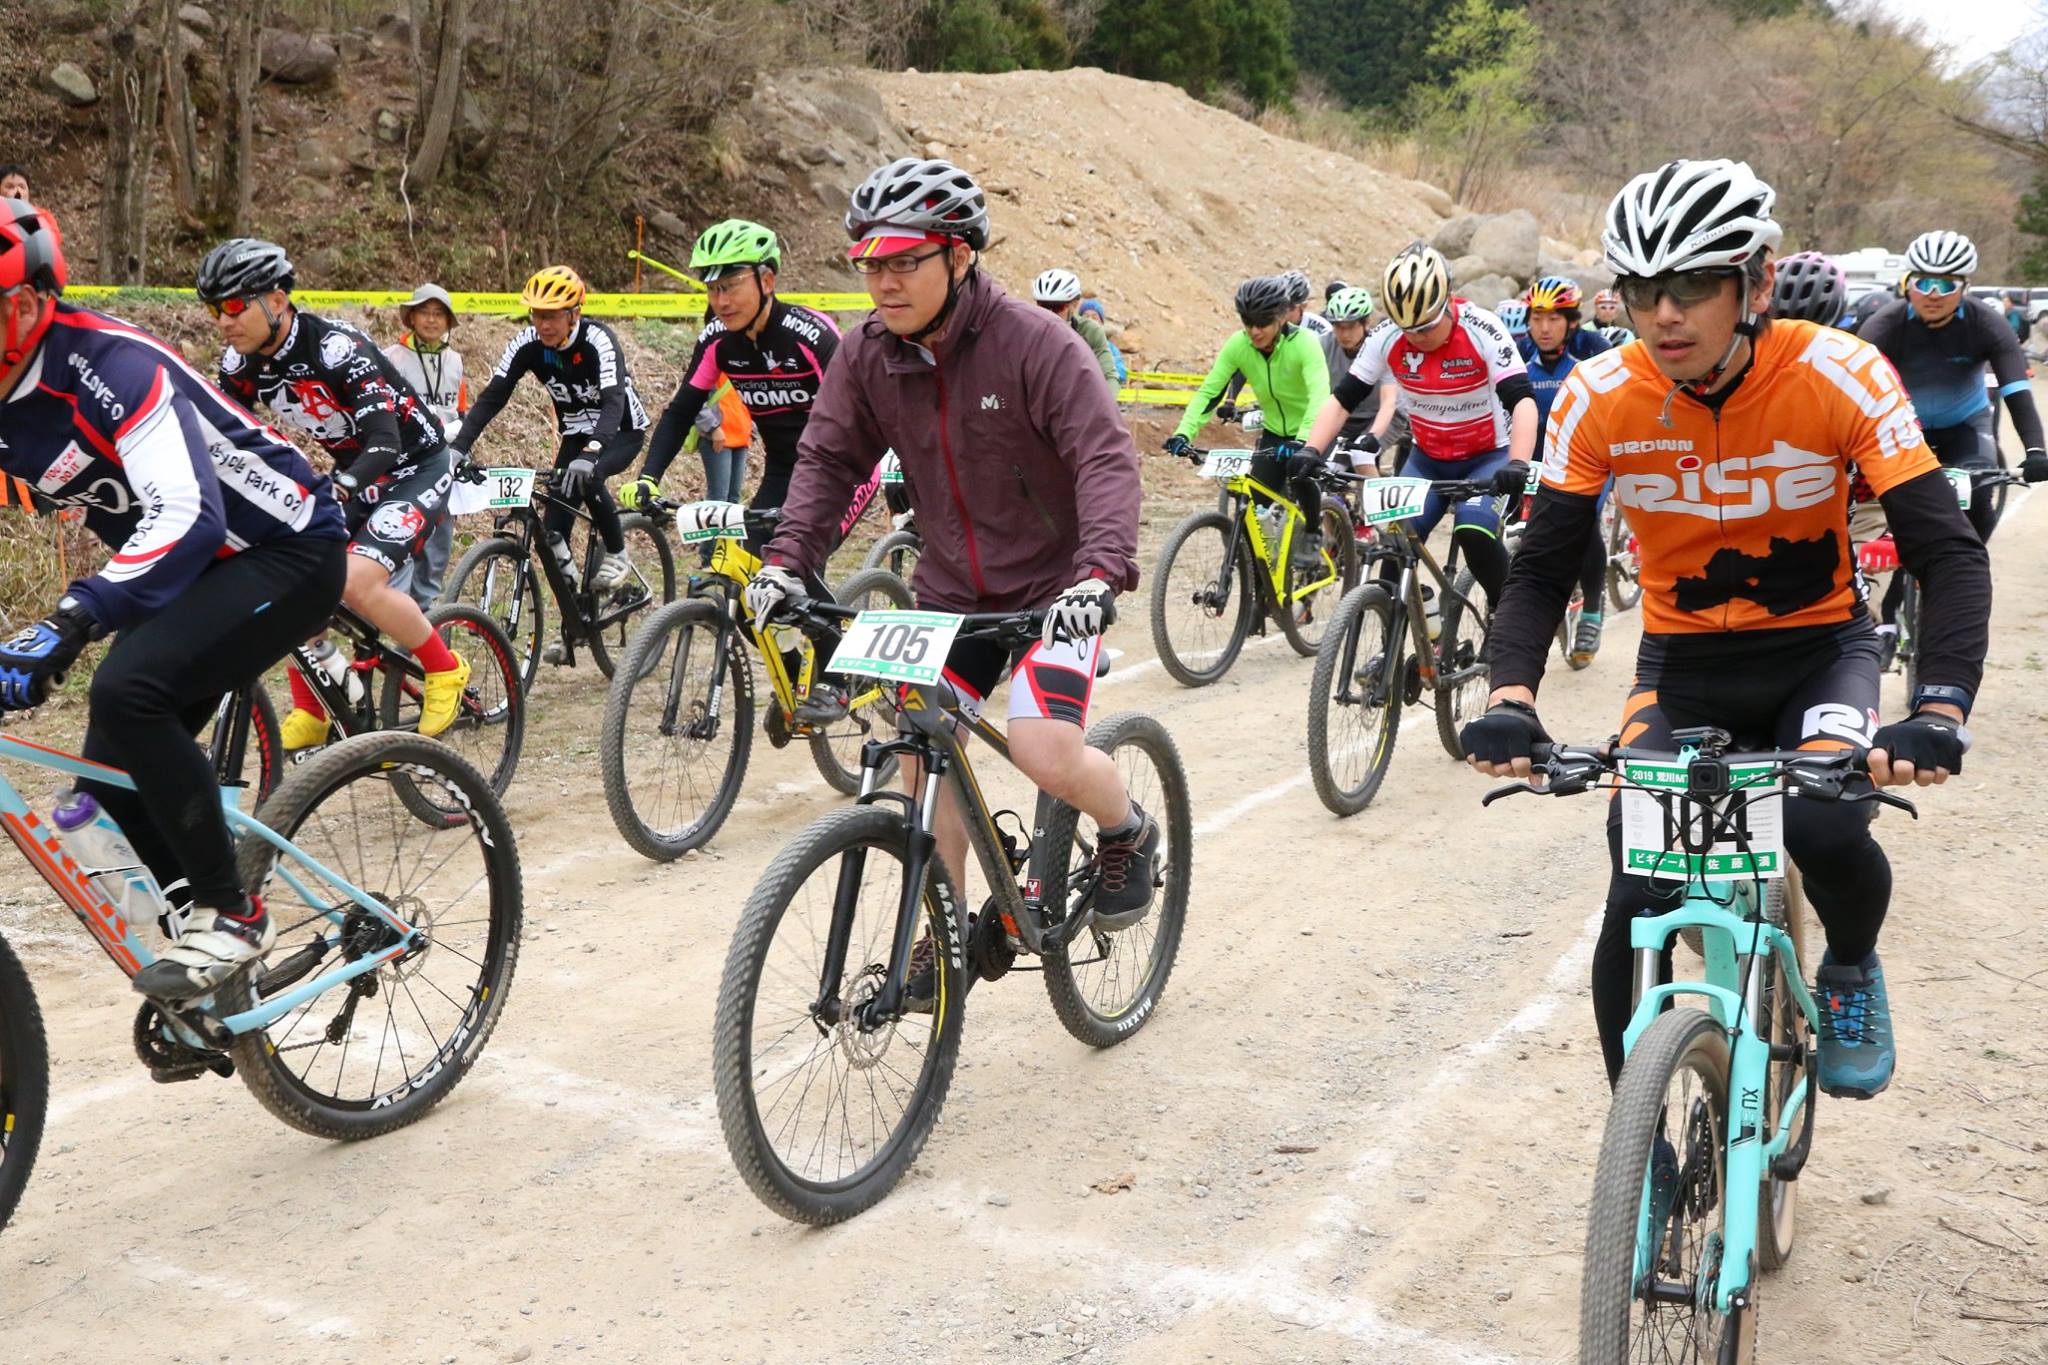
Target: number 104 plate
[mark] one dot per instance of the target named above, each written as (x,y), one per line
(902,646)
(1754,808)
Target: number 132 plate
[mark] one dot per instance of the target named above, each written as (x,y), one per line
(902,646)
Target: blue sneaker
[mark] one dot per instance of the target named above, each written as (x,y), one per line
(1856,1053)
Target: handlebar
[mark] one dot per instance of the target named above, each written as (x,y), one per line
(1829,775)
(1011,629)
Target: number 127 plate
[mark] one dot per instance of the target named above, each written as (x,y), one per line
(902,646)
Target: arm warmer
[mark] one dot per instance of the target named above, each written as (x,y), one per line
(1540,581)
(1938,547)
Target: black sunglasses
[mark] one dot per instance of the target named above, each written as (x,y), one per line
(1686,288)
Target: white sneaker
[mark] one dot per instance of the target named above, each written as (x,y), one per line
(215,946)
(610,570)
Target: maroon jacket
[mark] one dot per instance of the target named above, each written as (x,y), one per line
(1022,472)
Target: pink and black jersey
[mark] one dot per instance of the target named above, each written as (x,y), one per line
(1451,399)
(776,375)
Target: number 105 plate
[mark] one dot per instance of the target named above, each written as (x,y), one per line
(902,646)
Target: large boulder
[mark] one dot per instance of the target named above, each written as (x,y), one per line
(1510,242)
(1454,238)
(1488,290)
(197,18)
(1468,268)
(1435,200)
(296,58)
(69,83)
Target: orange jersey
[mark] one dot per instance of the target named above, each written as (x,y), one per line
(1742,517)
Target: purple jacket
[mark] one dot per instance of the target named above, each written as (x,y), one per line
(1021,470)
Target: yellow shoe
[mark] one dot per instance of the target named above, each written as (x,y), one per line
(441,695)
(303,730)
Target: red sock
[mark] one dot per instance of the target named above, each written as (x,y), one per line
(434,655)
(304,698)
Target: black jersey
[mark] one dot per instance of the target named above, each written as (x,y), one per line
(330,381)
(1943,367)
(776,375)
(587,378)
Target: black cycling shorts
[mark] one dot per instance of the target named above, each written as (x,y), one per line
(390,520)
(1966,445)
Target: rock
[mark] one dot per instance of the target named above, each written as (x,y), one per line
(771,176)
(67,18)
(393,30)
(1433,199)
(997,1200)
(1468,267)
(815,156)
(666,223)
(1503,1295)
(69,83)
(1069,220)
(296,58)
(196,18)
(1509,242)
(351,46)
(938,151)
(317,159)
(388,126)
(1455,237)
(1877,1194)
(1488,290)
(1001,188)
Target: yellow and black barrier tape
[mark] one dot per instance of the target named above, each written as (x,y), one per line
(689,307)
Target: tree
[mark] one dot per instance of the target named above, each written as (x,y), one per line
(993,35)
(1483,115)
(1200,45)
(1370,53)
(2032,223)
(135,37)
(446,97)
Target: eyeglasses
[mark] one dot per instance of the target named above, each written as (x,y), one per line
(1686,288)
(729,284)
(230,308)
(1935,286)
(902,263)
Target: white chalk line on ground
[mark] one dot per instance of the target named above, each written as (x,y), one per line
(306,1321)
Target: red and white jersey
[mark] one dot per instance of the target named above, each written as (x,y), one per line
(1451,402)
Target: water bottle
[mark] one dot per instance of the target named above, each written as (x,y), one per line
(104,854)
(1432,612)
(559,547)
(1270,525)
(327,659)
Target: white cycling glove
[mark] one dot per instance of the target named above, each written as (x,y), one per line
(770,588)
(1080,613)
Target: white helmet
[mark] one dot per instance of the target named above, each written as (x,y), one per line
(1056,286)
(1942,253)
(1691,215)
(1417,286)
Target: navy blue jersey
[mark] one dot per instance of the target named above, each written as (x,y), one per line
(1547,377)
(171,472)
(1943,367)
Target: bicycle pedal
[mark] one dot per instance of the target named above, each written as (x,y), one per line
(171,1075)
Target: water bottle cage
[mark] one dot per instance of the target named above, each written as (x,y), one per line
(1016,847)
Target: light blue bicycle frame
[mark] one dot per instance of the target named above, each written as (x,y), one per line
(1738,945)
(39,844)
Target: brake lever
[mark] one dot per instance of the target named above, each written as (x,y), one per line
(1512,789)
(1883,797)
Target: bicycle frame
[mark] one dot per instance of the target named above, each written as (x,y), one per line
(1243,489)
(579,619)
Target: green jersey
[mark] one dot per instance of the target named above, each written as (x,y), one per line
(1291,383)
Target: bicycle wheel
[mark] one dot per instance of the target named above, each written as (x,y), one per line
(1909,631)
(897,552)
(650,581)
(675,739)
(1305,621)
(1624,560)
(497,577)
(263,760)
(1106,984)
(823,1118)
(1202,599)
(24,1080)
(1461,686)
(870,708)
(1782,1022)
(375,1054)
(1352,718)
(1656,1302)
(489,728)
(1998,491)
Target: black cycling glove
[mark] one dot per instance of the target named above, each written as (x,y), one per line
(2034,469)
(1509,730)
(1511,480)
(1177,444)
(1926,739)
(1226,412)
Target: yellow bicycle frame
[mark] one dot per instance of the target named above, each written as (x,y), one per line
(1273,558)
(732,559)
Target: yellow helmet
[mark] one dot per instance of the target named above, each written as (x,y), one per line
(553,286)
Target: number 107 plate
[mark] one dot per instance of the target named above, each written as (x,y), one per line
(902,646)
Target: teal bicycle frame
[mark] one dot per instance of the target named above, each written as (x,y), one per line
(38,842)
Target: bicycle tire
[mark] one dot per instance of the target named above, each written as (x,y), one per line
(815,852)
(1460,656)
(681,624)
(897,552)
(872,708)
(608,636)
(1624,566)
(1235,610)
(489,729)
(1681,1040)
(1337,662)
(1909,631)
(24,1080)
(265,746)
(261,1060)
(1163,924)
(1998,492)
(1337,534)
(1777,1221)
(498,577)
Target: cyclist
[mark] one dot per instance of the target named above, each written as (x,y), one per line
(1092,308)
(391,468)
(1810,287)
(598,414)
(1728,435)
(1471,409)
(1059,292)
(1298,292)
(1287,372)
(1514,315)
(1350,314)
(1556,342)
(1022,474)
(228,550)
(1940,345)
(1607,310)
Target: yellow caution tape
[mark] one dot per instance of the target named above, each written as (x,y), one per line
(686,306)
(1169,398)
(1167,377)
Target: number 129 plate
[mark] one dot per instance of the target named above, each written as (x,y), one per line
(902,646)
(1226,464)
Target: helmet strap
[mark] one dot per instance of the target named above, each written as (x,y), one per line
(17,341)
(754,323)
(277,323)
(939,319)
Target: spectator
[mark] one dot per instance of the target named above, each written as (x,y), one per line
(1059,292)
(434,369)
(2016,314)
(13,181)
(1093,308)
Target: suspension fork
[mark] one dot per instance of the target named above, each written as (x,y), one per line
(922,848)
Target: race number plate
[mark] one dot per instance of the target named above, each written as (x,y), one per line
(1226,464)
(500,488)
(892,467)
(1252,419)
(1535,478)
(711,521)
(1388,500)
(1959,479)
(901,646)
(1653,844)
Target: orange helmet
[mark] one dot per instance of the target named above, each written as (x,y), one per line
(553,286)
(1554,293)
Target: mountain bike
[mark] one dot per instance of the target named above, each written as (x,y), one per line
(503,574)
(679,719)
(381,691)
(1712,1119)
(1217,568)
(396,941)
(830,1072)
(1386,647)
(1511,534)
(1624,556)
(1880,555)
(900,549)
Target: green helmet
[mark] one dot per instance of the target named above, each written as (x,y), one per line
(1348,305)
(734,242)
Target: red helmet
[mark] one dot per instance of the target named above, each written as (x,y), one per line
(31,253)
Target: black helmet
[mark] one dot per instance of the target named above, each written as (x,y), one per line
(1810,288)
(1333,289)
(243,266)
(1298,287)
(1264,299)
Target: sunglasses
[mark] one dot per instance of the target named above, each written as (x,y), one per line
(1686,288)
(1935,286)
(902,263)
(231,308)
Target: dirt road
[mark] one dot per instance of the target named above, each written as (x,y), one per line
(1398,999)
